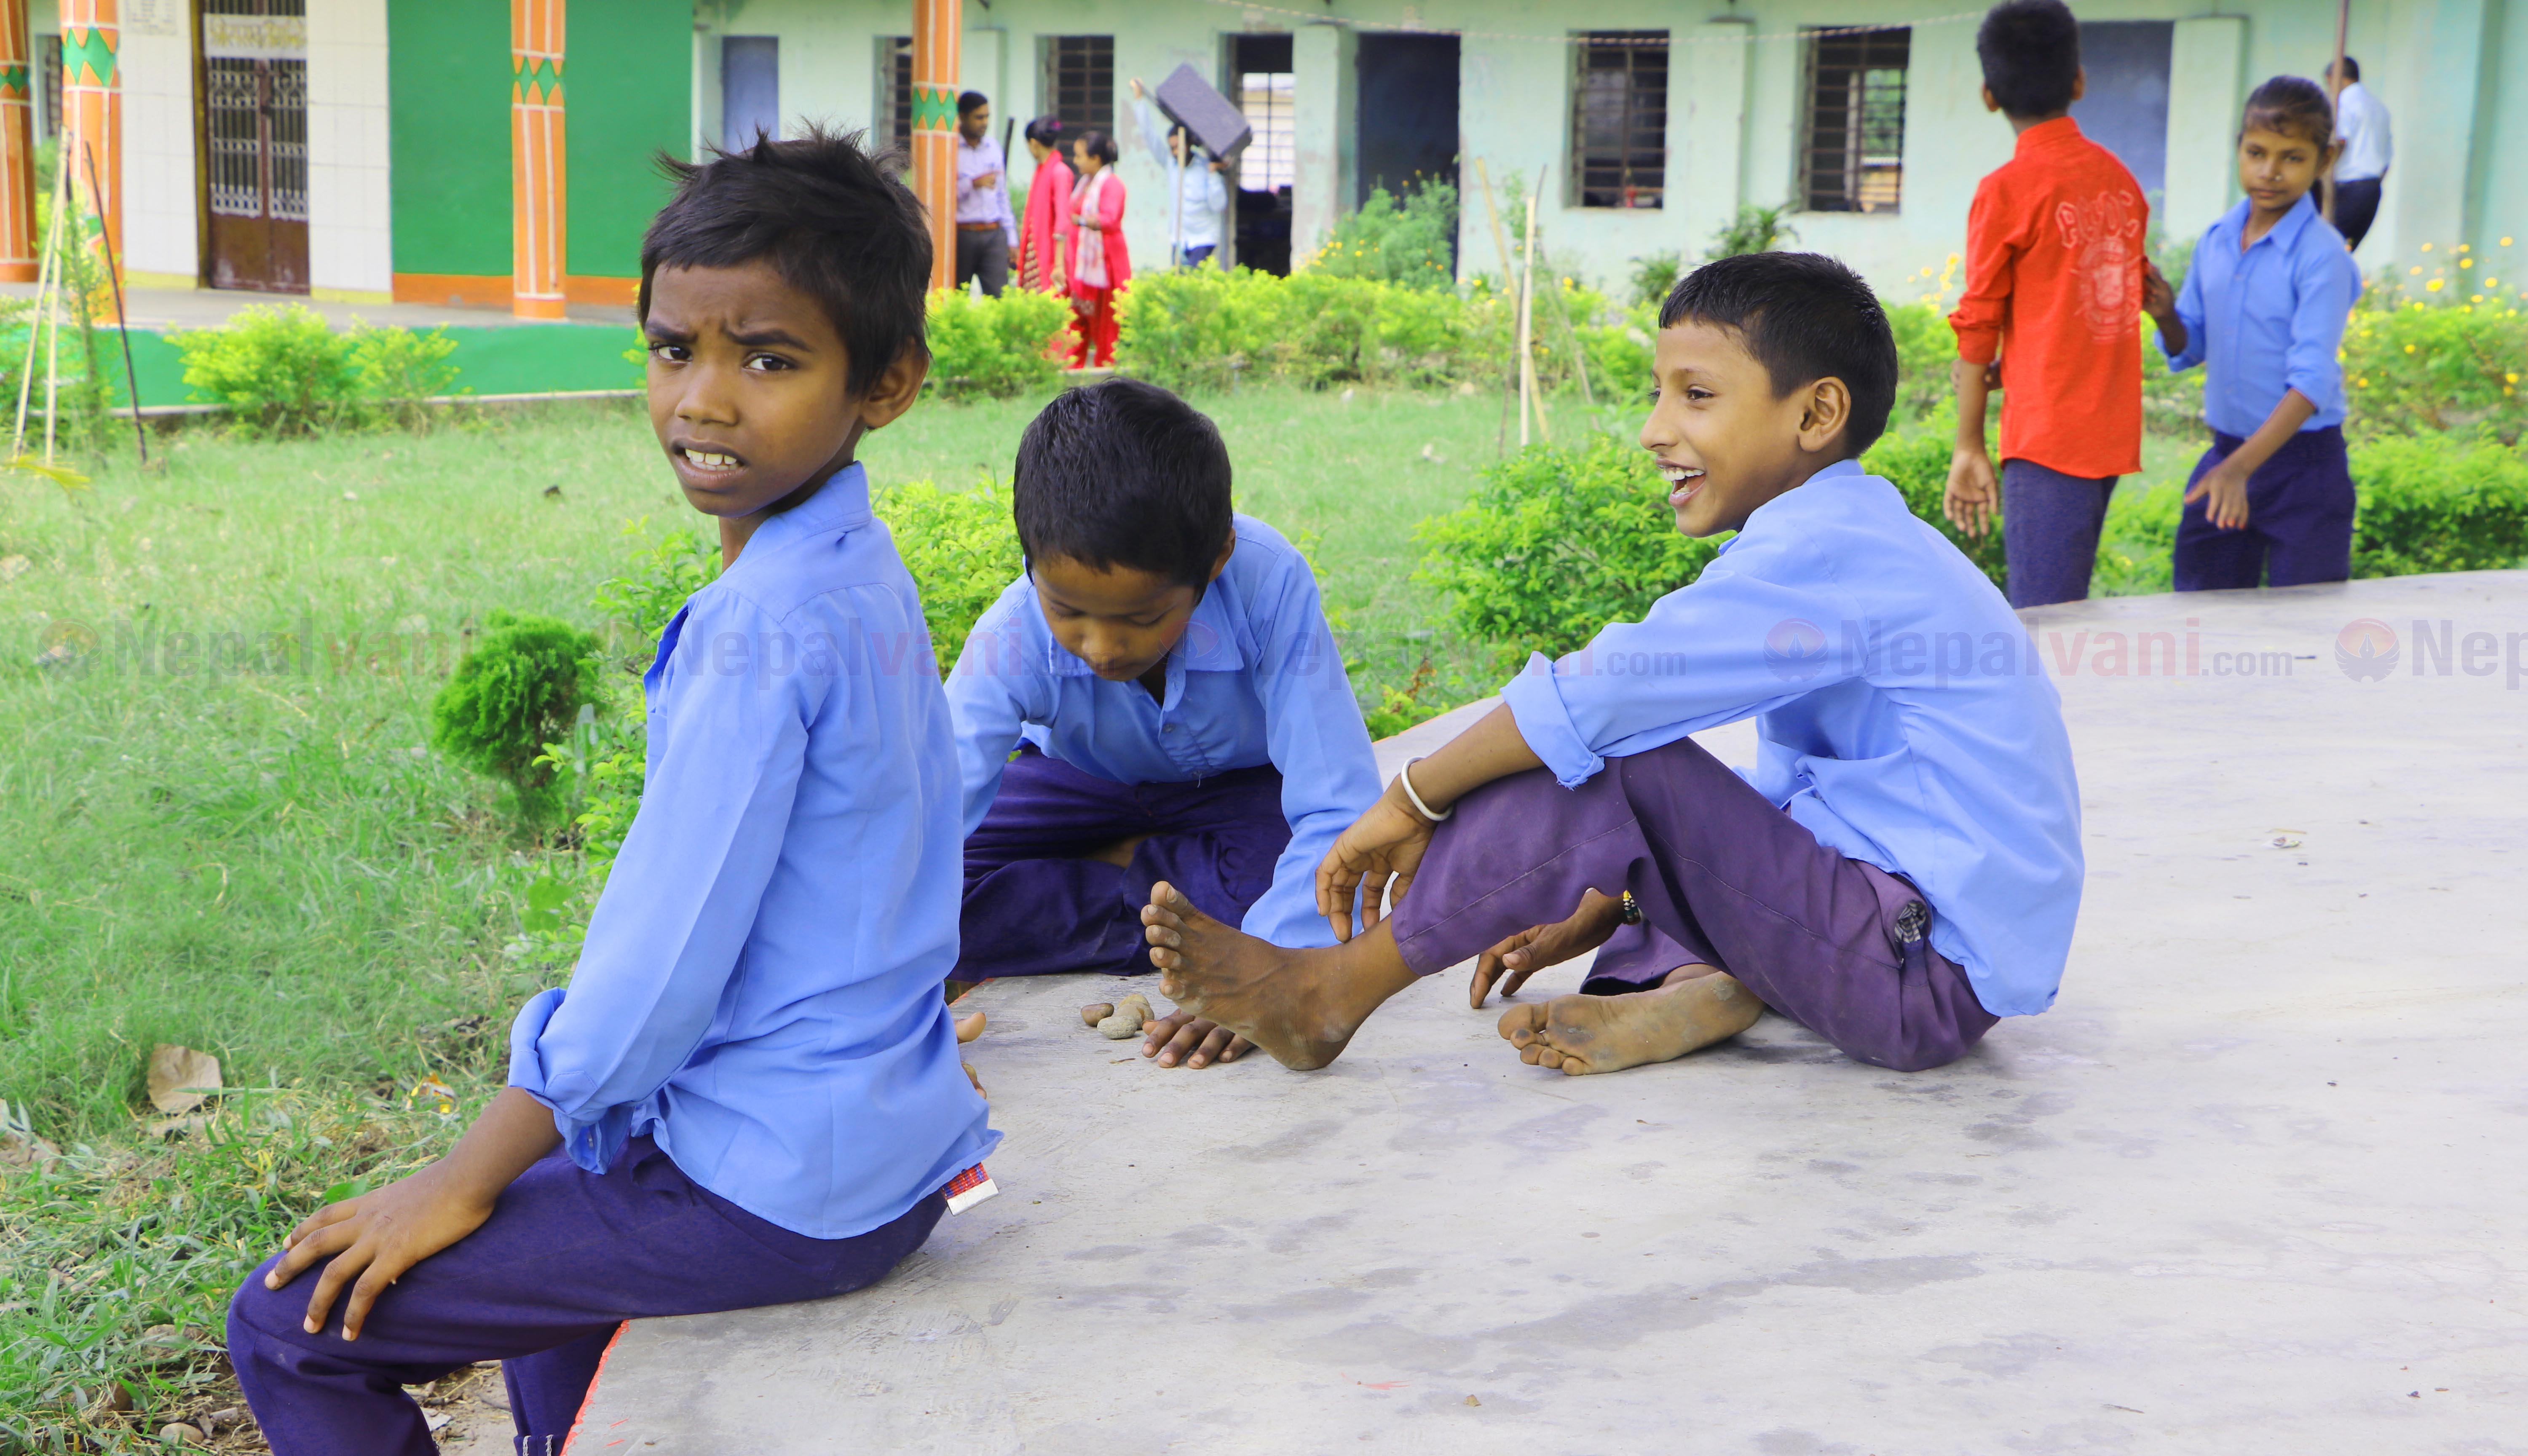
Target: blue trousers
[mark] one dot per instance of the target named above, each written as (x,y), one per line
(1033,904)
(542,1287)
(2049,530)
(2299,519)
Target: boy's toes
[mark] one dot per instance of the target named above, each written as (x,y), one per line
(1521,1023)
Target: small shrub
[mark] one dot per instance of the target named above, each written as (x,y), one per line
(1756,230)
(519,689)
(283,370)
(659,575)
(398,370)
(2437,359)
(1925,346)
(1409,241)
(2171,403)
(1653,275)
(995,346)
(1558,540)
(2438,504)
(2138,548)
(962,548)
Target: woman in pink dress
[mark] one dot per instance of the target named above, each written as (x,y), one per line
(1100,263)
(1046,233)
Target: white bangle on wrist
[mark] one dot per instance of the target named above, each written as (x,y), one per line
(1404,776)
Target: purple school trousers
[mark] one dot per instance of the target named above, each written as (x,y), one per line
(1034,905)
(1723,878)
(2299,519)
(542,1286)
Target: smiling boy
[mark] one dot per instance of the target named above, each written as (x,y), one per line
(1902,867)
(1156,697)
(750,1094)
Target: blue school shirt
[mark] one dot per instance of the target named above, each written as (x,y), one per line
(2267,321)
(759,986)
(1256,680)
(1901,715)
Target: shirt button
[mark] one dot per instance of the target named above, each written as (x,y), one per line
(1171,728)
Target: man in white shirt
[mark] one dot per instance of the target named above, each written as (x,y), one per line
(1192,182)
(985,227)
(2361,124)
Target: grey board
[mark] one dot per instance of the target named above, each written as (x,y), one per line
(2254,1184)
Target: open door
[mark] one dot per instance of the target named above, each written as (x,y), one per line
(255,129)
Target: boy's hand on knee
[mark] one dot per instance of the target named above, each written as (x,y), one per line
(1538,945)
(1972,490)
(1183,1036)
(369,1243)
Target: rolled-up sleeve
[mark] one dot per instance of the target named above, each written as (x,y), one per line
(1313,729)
(2189,312)
(1992,254)
(2328,281)
(728,739)
(1742,640)
(987,700)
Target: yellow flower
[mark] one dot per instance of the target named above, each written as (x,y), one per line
(2435,286)
(2409,348)
(2467,262)
(1953,260)
(2462,247)
(2416,270)
(2511,379)
(2427,247)
(2492,283)
(2475,298)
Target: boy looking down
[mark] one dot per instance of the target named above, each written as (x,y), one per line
(2055,271)
(1156,697)
(750,1093)
(1902,867)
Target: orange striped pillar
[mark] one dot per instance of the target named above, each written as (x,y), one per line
(539,194)
(17,147)
(92,110)
(938,39)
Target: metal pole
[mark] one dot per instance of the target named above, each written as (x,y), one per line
(122,325)
(2334,93)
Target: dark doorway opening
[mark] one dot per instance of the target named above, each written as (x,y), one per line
(1408,111)
(254,122)
(750,89)
(1260,83)
(2126,106)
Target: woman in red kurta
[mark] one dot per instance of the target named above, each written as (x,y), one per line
(1100,263)
(1046,233)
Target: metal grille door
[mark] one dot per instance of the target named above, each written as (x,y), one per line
(255,59)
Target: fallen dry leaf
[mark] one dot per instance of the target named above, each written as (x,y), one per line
(180,1078)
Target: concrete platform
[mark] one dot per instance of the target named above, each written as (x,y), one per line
(2254,1184)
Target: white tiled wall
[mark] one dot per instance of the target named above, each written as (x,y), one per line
(351,236)
(159,226)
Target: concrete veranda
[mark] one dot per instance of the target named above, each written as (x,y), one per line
(2253,1183)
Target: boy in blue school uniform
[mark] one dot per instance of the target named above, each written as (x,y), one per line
(1900,869)
(1157,696)
(2263,310)
(750,1094)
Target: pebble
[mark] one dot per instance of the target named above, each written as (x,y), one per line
(1126,1020)
(1095,1012)
(179,1434)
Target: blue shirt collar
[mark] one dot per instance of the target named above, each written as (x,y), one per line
(842,505)
(1839,470)
(1209,644)
(2284,235)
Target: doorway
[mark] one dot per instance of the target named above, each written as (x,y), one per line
(2126,106)
(254,129)
(1408,113)
(1260,81)
(750,90)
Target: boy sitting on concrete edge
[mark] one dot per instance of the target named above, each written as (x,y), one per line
(1904,866)
(1177,707)
(750,1094)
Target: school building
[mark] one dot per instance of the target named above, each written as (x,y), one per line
(498,153)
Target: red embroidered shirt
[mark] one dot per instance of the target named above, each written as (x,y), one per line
(2054,275)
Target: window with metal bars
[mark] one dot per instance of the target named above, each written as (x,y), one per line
(1079,82)
(1618,118)
(1270,161)
(895,92)
(256,111)
(48,60)
(1854,160)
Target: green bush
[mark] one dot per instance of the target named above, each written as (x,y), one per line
(1558,540)
(995,346)
(2442,358)
(1409,241)
(1653,275)
(1925,345)
(1203,328)
(1756,230)
(2137,547)
(961,547)
(2438,504)
(519,689)
(283,370)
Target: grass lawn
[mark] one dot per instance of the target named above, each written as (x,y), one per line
(218,826)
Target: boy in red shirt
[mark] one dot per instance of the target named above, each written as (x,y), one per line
(2054,284)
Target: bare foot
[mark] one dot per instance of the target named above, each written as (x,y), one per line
(1584,1034)
(1300,1005)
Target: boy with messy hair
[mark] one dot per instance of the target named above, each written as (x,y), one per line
(1901,868)
(750,1094)
(2055,273)
(1157,696)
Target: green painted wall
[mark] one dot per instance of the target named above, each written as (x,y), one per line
(449,79)
(502,359)
(628,84)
